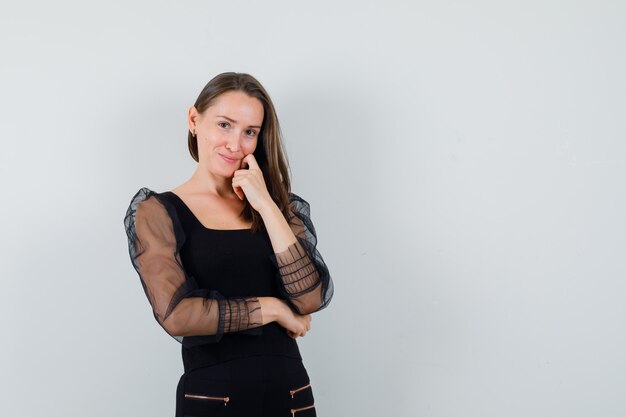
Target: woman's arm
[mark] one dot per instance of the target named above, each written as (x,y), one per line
(305,281)
(270,309)
(179,305)
(278,229)
(302,271)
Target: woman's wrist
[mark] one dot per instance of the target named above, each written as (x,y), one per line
(271,309)
(268,206)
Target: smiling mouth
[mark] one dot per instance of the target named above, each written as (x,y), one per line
(230,160)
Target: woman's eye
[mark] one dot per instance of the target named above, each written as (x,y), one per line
(251,132)
(223,123)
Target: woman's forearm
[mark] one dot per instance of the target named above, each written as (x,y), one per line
(281,235)
(298,273)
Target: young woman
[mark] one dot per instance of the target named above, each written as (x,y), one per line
(228,260)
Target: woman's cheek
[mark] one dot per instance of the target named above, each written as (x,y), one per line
(249,148)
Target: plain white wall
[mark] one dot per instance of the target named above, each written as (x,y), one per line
(465,165)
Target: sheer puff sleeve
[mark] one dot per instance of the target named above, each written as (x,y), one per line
(189,314)
(302,274)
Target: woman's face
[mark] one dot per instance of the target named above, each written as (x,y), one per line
(227,131)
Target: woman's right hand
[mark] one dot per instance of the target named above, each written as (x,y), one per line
(295,324)
(277,309)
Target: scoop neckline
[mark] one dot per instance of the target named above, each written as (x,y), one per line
(198,220)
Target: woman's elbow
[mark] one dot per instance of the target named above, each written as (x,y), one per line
(175,324)
(171,327)
(309,303)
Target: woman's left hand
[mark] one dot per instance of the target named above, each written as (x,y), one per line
(249,183)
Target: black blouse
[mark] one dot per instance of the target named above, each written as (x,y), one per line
(203,284)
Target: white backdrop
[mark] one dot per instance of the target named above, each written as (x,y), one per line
(465,165)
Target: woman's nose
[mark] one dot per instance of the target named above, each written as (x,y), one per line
(233,143)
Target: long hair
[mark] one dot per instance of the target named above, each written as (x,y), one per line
(269,153)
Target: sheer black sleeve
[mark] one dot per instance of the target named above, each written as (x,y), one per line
(189,314)
(303,275)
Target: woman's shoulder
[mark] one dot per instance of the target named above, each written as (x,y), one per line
(296,198)
(147,197)
(298,203)
(145,193)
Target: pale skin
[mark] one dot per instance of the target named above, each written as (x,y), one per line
(217,189)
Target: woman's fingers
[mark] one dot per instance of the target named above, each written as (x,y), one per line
(250,161)
(295,325)
(239,192)
(249,183)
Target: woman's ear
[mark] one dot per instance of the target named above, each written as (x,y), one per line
(192,118)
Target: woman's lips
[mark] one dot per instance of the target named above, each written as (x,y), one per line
(229,160)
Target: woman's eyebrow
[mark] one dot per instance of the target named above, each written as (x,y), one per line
(234,121)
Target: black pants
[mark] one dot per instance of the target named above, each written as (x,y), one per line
(256,386)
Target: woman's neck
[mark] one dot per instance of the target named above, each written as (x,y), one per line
(203,182)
